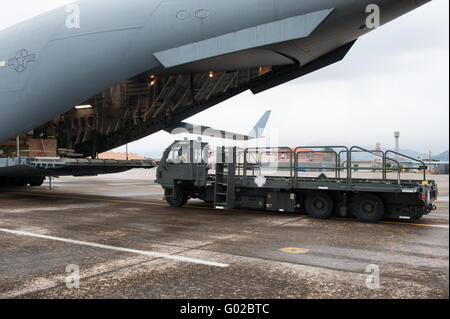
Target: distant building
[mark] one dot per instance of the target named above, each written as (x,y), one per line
(308,160)
(120,156)
(437,167)
(309,155)
(433,167)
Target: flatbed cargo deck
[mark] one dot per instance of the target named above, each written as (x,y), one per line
(32,171)
(239,182)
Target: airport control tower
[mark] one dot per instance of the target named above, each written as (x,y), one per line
(397,141)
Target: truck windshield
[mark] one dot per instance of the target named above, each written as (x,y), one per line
(188,152)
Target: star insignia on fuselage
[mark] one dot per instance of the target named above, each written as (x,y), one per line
(21,60)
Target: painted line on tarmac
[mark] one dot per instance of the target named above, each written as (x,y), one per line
(398,223)
(196,207)
(414,224)
(127,250)
(88,198)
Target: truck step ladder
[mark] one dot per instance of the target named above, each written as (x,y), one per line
(225,186)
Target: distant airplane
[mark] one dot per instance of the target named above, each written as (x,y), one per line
(256,132)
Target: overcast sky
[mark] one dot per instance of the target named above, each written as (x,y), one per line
(395,78)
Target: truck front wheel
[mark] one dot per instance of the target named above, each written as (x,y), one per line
(178,198)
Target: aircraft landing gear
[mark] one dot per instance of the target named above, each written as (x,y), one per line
(36,181)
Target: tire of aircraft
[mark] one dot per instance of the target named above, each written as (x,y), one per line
(36,181)
(319,205)
(368,208)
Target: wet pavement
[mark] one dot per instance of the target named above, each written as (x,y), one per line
(127,243)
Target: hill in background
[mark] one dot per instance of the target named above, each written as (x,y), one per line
(442,157)
(414,154)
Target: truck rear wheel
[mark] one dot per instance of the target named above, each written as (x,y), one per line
(178,198)
(319,205)
(368,208)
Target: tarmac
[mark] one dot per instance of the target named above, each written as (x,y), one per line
(124,241)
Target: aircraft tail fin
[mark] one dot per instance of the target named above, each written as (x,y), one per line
(258,129)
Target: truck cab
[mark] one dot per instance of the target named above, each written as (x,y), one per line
(183,171)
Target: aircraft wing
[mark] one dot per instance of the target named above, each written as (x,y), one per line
(256,132)
(184,127)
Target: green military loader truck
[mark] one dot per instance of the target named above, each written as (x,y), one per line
(282,179)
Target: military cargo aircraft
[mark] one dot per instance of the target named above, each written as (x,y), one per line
(98,74)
